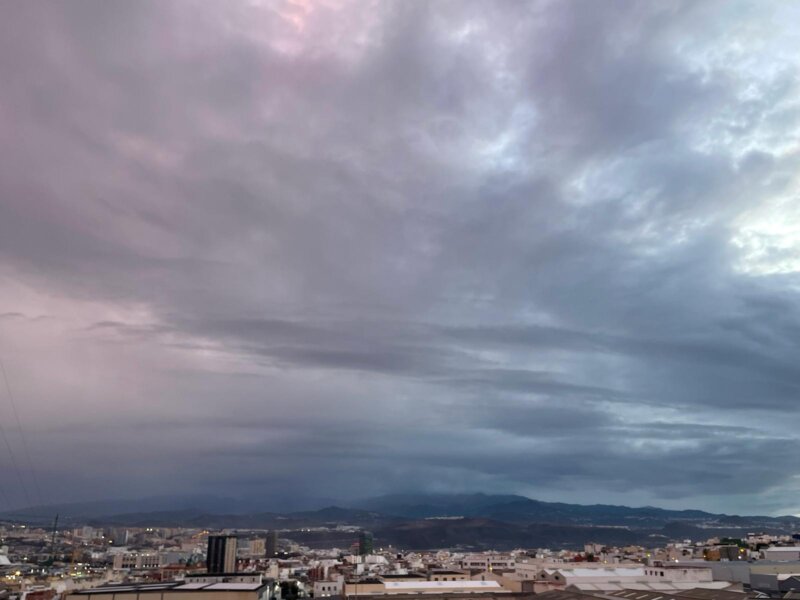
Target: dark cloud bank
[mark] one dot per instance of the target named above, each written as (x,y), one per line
(353,248)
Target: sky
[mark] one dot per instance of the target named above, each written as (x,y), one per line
(343,249)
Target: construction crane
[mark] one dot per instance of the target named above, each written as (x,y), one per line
(53,541)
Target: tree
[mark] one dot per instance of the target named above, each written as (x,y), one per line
(289,590)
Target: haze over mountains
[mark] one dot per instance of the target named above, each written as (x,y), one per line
(425,520)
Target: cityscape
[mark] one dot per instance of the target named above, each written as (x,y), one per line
(337,559)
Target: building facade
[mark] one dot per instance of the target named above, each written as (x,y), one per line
(221,554)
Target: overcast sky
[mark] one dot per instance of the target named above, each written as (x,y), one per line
(347,249)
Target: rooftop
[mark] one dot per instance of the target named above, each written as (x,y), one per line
(693,594)
(172,586)
(437,585)
(465,595)
(665,587)
(595,572)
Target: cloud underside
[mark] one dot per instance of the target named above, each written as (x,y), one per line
(356,248)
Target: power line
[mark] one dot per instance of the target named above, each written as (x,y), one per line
(14,465)
(4,498)
(22,435)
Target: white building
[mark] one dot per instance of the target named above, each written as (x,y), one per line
(531,569)
(442,587)
(124,561)
(488,562)
(563,577)
(680,573)
(323,589)
(86,533)
(782,553)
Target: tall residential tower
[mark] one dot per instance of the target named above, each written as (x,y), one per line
(221,555)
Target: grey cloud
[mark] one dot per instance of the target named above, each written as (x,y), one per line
(460,244)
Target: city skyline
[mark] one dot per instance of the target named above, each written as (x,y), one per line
(339,249)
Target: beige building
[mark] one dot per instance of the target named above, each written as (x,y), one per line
(364,587)
(253,547)
(509,580)
(125,561)
(323,589)
(487,561)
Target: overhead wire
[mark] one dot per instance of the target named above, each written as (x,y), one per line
(6,503)
(15,466)
(4,499)
(13,404)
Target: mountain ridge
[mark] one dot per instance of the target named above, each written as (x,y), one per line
(419,521)
(509,508)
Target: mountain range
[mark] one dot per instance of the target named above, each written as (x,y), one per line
(424,520)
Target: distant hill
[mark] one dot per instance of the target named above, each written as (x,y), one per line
(520,509)
(188,504)
(330,516)
(438,505)
(423,520)
(480,534)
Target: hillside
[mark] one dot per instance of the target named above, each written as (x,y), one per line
(432,521)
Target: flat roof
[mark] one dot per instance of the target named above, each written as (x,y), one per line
(193,586)
(598,572)
(706,594)
(694,594)
(458,595)
(233,586)
(231,574)
(666,587)
(437,585)
(172,586)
